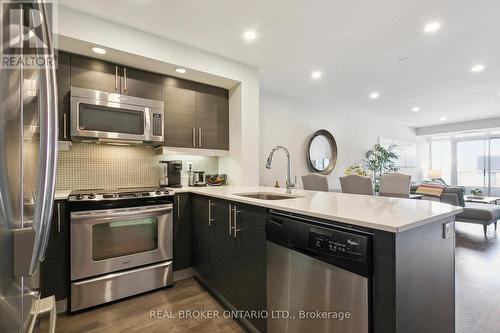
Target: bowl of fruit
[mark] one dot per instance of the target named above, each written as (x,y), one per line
(216,179)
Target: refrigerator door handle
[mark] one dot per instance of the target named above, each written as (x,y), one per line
(48,150)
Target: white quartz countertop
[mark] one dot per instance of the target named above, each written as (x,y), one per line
(381,213)
(62,195)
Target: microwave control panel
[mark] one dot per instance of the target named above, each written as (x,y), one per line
(157,128)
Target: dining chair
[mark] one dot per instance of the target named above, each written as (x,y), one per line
(395,185)
(356,184)
(315,182)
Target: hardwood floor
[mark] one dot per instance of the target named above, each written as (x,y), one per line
(477,280)
(477,301)
(134,314)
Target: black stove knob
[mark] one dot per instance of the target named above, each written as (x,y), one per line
(157,192)
(79,196)
(91,196)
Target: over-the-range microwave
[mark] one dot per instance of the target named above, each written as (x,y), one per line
(111,117)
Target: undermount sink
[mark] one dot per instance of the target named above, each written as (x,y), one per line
(268,196)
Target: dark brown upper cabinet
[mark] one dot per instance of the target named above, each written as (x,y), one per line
(95,74)
(196,115)
(63,94)
(138,83)
(180,117)
(100,75)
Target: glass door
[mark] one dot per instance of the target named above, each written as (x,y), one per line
(472,165)
(494,174)
(441,160)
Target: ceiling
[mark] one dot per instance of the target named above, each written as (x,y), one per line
(360,46)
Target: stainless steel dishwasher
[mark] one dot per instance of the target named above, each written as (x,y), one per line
(318,276)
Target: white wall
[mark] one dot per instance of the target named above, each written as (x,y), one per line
(290,123)
(244,100)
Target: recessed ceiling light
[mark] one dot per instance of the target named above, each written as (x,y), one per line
(443,118)
(432,27)
(477,68)
(250,35)
(374,95)
(415,109)
(180,70)
(316,75)
(99,50)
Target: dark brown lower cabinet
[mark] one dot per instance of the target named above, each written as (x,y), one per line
(54,270)
(182,231)
(203,240)
(252,261)
(229,253)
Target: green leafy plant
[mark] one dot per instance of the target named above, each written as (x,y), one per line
(477,192)
(355,169)
(379,161)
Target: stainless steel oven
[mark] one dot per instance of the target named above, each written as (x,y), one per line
(103,116)
(121,244)
(104,241)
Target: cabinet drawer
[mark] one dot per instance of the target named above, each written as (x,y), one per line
(110,287)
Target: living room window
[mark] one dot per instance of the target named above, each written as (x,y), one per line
(441,159)
(471,162)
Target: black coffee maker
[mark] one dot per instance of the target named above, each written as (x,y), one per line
(174,169)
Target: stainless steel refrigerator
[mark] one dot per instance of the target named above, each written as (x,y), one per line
(28,149)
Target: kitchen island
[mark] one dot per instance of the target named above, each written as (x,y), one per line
(413,245)
(220,236)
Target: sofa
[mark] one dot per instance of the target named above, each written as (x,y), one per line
(479,213)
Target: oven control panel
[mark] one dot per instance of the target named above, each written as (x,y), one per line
(91,196)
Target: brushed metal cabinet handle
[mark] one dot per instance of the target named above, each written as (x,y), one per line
(230,218)
(116,78)
(65,124)
(125,79)
(58,217)
(210,219)
(194,136)
(200,133)
(236,211)
(209,213)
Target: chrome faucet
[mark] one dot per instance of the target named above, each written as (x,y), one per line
(289,183)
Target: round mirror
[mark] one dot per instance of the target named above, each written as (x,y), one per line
(322,152)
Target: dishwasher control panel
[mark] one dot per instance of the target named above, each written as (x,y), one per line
(340,246)
(338,243)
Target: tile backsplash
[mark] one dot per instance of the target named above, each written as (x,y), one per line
(89,166)
(94,166)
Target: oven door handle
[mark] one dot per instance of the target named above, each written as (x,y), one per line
(100,215)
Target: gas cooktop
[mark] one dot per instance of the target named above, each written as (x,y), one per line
(119,193)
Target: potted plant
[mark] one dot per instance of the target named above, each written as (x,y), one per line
(477,193)
(379,161)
